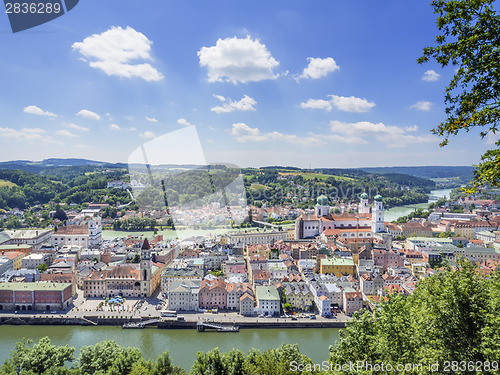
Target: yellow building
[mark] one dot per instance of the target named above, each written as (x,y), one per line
(299,296)
(463,230)
(16,258)
(337,266)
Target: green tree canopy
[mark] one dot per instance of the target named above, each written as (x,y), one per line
(469,39)
(451,316)
(36,359)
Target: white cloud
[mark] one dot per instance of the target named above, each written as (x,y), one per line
(77,127)
(351,103)
(27,134)
(342,103)
(238,60)
(430,75)
(393,136)
(115,49)
(319,67)
(422,105)
(34,110)
(245,104)
(114,127)
(244,133)
(148,135)
(88,115)
(412,128)
(317,104)
(183,121)
(151,119)
(66,133)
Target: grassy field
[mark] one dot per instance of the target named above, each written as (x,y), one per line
(258,187)
(7,183)
(319,176)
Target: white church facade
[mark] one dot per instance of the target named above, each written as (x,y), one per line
(364,224)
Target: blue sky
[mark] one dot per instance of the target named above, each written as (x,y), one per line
(306,83)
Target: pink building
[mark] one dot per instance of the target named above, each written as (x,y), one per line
(213,294)
(386,259)
(353,301)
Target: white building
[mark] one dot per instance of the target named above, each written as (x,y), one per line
(183,295)
(33,237)
(242,239)
(86,235)
(32,261)
(268,300)
(311,225)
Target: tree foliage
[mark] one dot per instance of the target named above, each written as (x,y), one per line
(469,39)
(452,316)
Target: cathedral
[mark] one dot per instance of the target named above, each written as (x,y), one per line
(364,224)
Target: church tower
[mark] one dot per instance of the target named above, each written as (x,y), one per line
(322,208)
(145,268)
(378,215)
(364,206)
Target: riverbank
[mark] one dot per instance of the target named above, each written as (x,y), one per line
(248,323)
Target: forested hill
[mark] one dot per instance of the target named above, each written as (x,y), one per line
(76,181)
(426,171)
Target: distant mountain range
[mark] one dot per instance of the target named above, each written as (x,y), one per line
(420,171)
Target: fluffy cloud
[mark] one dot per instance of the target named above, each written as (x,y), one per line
(412,128)
(319,67)
(89,115)
(151,119)
(114,127)
(342,103)
(34,110)
(66,133)
(183,121)
(77,127)
(114,50)
(422,105)
(351,103)
(27,134)
(430,75)
(317,104)
(148,135)
(361,132)
(238,60)
(244,133)
(245,104)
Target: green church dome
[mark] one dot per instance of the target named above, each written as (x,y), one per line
(364,196)
(322,200)
(377,198)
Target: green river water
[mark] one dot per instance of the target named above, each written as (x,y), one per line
(182,344)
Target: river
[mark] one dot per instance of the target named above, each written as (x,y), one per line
(182,344)
(396,212)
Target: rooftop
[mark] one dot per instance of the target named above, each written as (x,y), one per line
(267,293)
